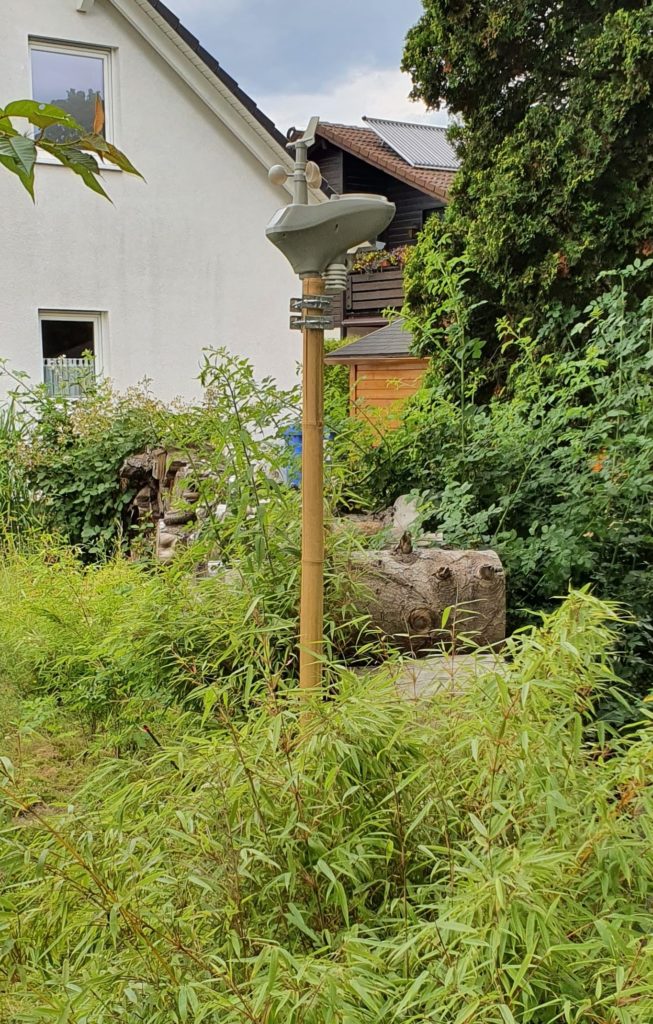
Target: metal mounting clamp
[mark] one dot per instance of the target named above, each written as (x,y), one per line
(317,302)
(310,323)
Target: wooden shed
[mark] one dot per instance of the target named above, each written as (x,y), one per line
(383,373)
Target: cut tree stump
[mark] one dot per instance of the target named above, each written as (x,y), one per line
(432,597)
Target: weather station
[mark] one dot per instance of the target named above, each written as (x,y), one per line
(316,240)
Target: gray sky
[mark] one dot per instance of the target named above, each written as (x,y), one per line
(338,59)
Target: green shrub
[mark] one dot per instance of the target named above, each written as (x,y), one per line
(71,451)
(106,633)
(479,858)
(337,394)
(555,471)
(71,454)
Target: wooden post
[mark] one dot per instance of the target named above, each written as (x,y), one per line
(312,581)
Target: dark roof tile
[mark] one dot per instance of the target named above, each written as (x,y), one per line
(389,341)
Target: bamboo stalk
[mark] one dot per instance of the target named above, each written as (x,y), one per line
(312,579)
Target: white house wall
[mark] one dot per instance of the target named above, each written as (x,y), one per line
(178,262)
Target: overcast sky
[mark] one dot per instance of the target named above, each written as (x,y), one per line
(297,57)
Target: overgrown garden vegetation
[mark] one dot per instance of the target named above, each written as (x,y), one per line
(553,468)
(179,842)
(177,846)
(533,296)
(483,859)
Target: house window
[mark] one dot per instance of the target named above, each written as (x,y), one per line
(436,211)
(76,79)
(71,345)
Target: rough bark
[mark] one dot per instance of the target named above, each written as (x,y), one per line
(165,493)
(433,596)
(141,473)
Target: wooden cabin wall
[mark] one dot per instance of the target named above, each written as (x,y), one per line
(385,384)
(410,202)
(329,160)
(346,173)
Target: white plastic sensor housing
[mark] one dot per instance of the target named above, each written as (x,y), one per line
(311,237)
(278,174)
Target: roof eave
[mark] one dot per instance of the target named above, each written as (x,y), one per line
(441,194)
(193,43)
(335,357)
(209,81)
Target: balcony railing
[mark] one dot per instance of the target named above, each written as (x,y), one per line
(68,378)
(369,292)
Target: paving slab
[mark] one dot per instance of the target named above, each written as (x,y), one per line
(422,677)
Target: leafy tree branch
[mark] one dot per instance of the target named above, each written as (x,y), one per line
(78,149)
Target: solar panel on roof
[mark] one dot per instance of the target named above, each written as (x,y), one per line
(420,145)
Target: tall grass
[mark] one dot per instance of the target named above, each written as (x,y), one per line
(478,859)
(113,637)
(17,512)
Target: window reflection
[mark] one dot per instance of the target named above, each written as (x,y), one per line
(74,82)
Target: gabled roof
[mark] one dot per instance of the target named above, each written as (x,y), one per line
(386,343)
(213,66)
(366,144)
(420,145)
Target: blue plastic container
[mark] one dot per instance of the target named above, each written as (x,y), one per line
(293,439)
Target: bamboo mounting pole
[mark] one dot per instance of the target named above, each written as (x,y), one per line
(312,579)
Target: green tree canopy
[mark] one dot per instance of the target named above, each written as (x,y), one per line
(555,130)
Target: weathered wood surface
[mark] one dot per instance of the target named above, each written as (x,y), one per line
(164,499)
(407,597)
(142,473)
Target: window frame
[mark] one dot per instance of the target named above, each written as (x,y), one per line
(104,53)
(97,318)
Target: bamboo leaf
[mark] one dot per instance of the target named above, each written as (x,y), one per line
(478,825)
(506,1014)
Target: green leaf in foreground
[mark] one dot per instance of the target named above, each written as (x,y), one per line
(18,153)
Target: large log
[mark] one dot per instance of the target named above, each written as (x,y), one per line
(430,597)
